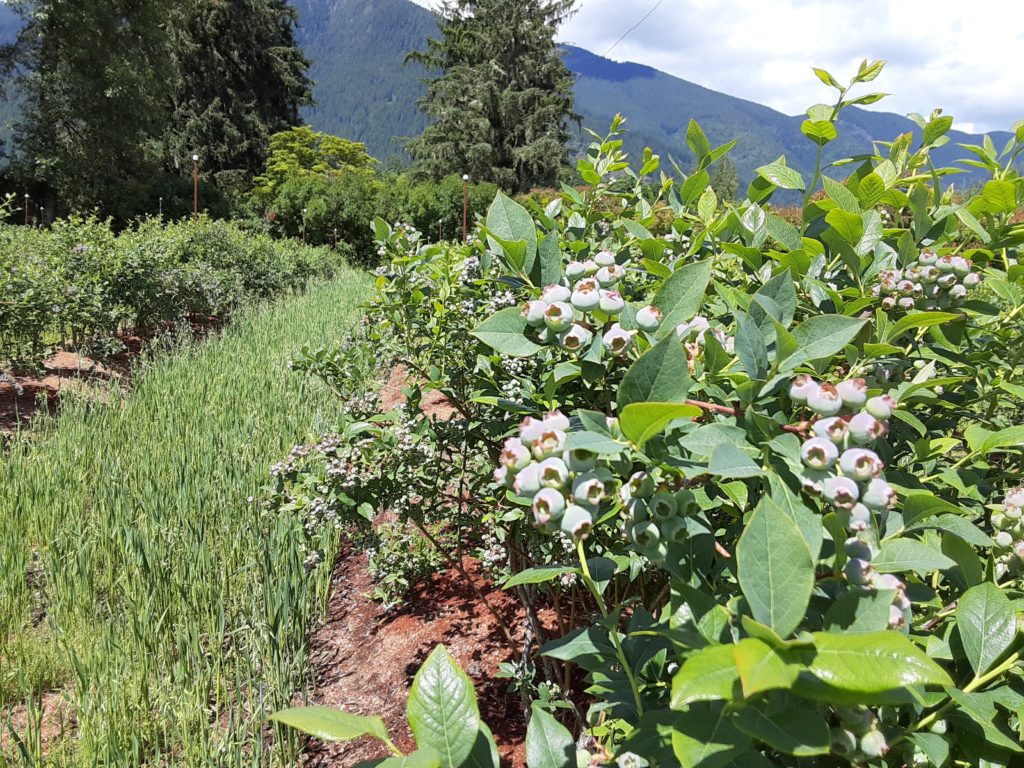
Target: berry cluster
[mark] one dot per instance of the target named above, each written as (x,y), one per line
(655,514)
(859,736)
(932,282)
(566,314)
(565,487)
(840,465)
(1009,538)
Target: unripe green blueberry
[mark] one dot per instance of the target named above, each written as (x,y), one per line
(854,392)
(554,473)
(801,388)
(576,339)
(585,300)
(819,453)
(905,287)
(945,263)
(881,407)
(873,744)
(527,482)
(614,429)
(556,420)
(575,271)
(663,505)
(939,727)
(612,302)
(856,519)
(878,494)
(686,503)
(576,521)
(514,455)
(841,491)
(617,341)
(693,330)
(865,428)
(673,530)
(961,266)
(579,460)
(833,428)
(958,292)
(1003,540)
(929,274)
(558,316)
(887,581)
(947,280)
(857,548)
(533,313)
(825,400)
(861,464)
(639,486)
(590,267)
(813,480)
(649,318)
(645,533)
(856,719)
(503,477)
(907,302)
(928,257)
(608,277)
(857,571)
(555,293)
(548,506)
(888,303)
(550,443)
(589,489)
(842,742)
(604,258)
(637,510)
(971,280)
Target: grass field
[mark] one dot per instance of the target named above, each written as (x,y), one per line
(138,585)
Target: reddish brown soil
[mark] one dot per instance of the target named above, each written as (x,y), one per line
(56,722)
(365,658)
(434,404)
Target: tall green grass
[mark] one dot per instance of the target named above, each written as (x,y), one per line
(138,580)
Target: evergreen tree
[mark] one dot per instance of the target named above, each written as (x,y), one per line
(502,100)
(94,78)
(241,79)
(724,180)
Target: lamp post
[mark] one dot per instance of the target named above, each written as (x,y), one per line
(161,209)
(195,188)
(26,209)
(303,225)
(465,208)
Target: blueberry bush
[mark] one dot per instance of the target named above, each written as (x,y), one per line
(768,474)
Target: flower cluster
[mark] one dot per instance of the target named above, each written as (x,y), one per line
(565,487)
(567,312)
(1009,526)
(932,282)
(840,465)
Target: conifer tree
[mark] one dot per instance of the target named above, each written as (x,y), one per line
(502,98)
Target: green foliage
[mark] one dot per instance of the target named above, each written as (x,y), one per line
(500,103)
(302,152)
(81,282)
(137,582)
(774,463)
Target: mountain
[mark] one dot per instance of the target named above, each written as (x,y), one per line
(364,91)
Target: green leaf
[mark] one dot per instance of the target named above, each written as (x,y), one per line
(750,347)
(901,554)
(999,196)
(728,460)
(957,526)
(330,724)
(782,176)
(782,291)
(707,206)
(505,333)
(775,569)
(841,195)
(795,731)
(661,374)
(680,297)
(547,269)
(936,128)
(425,757)
(987,625)
(918,506)
(706,736)
(761,668)
(821,132)
(707,675)
(1011,437)
(642,421)
(548,743)
(697,141)
(982,710)
(848,226)
(917,320)
(807,521)
(442,709)
(822,336)
(580,644)
(870,190)
(539,575)
(508,220)
(867,665)
(703,439)
(595,442)
(860,611)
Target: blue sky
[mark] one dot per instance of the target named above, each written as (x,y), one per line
(965,57)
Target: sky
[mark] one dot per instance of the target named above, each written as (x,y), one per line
(964,56)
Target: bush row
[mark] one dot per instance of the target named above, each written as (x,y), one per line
(81,282)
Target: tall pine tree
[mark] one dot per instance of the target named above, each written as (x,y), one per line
(241,79)
(502,100)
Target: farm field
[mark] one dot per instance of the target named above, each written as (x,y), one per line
(150,611)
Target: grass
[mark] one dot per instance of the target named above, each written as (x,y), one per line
(138,581)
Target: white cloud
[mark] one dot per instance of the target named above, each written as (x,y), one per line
(961,56)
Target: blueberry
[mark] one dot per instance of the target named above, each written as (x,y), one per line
(873,744)
(819,453)
(612,302)
(531,429)
(865,428)
(857,518)
(585,300)
(604,258)
(514,455)
(589,489)
(648,318)
(854,392)
(548,506)
(961,266)
(527,482)
(801,388)
(971,280)
(857,571)
(833,428)
(558,316)
(556,420)
(673,530)
(878,494)
(861,464)
(645,533)
(576,521)
(554,473)
(576,339)
(550,443)
(663,505)
(813,480)
(842,742)
(590,267)
(575,270)
(641,485)
(945,263)
(533,313)
(608,277)
(579,460)
(857,548)
(825,400)
(617,341)
(555,293)
(841,491)
(880,407)
(502,476)
(693,330)
(927,257)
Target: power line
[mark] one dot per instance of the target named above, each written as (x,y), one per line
(633,28)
